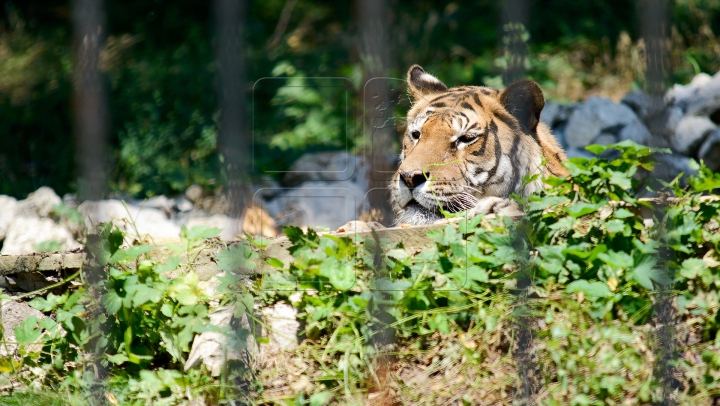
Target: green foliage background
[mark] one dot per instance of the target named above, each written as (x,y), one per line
(160,73)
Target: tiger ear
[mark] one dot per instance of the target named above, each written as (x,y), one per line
(524,100)
(423,84)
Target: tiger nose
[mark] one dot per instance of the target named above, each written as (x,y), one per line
(414,179)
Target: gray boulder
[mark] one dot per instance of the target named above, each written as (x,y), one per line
(26,233)
(637,132)
(605,139)
(690,133)
(317,203)
(554,113)
(668,166)
(323,166)
(579,153)
(596,115)
(643,104)
(709,151)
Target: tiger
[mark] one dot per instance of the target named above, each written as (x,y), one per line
(469,148)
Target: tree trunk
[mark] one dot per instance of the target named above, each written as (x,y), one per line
(374,49)
(234,138)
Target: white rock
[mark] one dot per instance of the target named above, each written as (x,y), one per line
(39,203)
(283,326)
(152,222)
(690,133)
(183,205)
(7,213)
(596,115)
(685,96)
(26,232)
(161,203)
(12,314)
(210,347)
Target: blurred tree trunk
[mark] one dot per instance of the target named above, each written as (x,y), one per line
(90,104)
(373,44)
(514,19)
(91,132)
(234,137)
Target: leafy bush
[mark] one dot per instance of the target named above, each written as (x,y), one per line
(596,267)
(380,318)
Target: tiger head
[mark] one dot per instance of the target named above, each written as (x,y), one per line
(470,143)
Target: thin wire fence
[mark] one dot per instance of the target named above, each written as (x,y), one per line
(235,138)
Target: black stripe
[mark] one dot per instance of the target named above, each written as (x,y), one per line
(509,120)
(492,129)
(513,154)
(466,105)
(444,96)
(438,104)
(476,98)
(474,126)
(498,156)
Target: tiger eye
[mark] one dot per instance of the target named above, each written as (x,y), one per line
(415,135)
(466,138)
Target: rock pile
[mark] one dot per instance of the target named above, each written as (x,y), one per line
(684,120)
(328,189)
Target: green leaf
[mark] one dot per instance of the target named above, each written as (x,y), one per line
(692,268)
(581,209)
(320,399)
(185,289)
(47,304)
(622,213)
(548,202)
(27,332)
(616,259)
(236,257)
(111,301)
(596,149)
(620,179)
(129,254)
(171,265)
(167,309)
(644,272)
(275,263)
(615,226)
(202,233)
(142,294)
(341,276)
(258,242)
(117,359)
(593,289)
